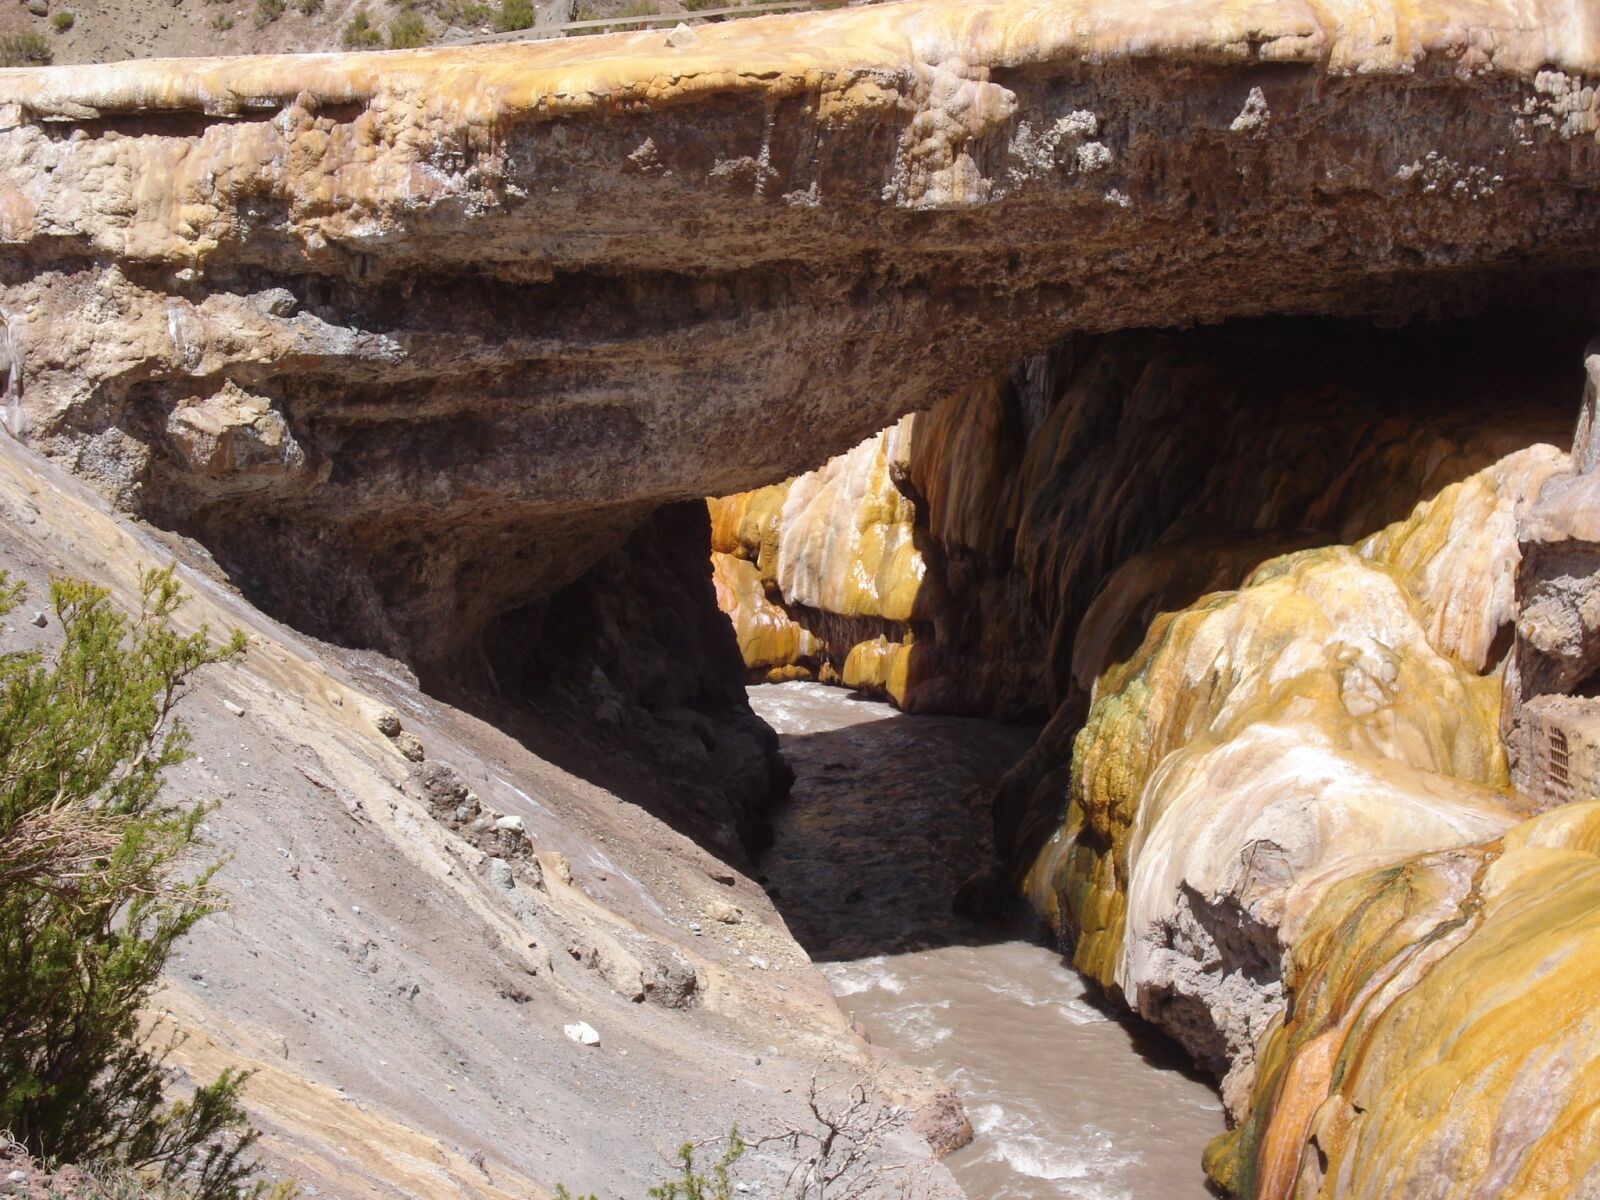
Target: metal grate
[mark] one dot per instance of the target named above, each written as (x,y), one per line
(1560,761)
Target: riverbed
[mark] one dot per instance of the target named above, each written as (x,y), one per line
(1067,1098)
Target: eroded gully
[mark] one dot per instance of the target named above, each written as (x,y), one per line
(1066,1099)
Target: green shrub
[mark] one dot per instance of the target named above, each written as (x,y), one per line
(222,21)
(268,11)
(361,33)
(25,50)
(408,31)
(93,897)
(309,8)
(471,13)
(640,8)
(691,1185)
(62,20)
(514,14)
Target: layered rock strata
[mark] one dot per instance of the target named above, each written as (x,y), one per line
(1442,1034)
(412,340)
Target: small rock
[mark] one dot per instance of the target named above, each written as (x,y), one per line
(39,618)
(235,709)
(409,745)
(681,36)
(387,722)
(510,824)
(560,867)
(721,910)
(722,875)
(335,699)
(39,8)
(582,1032)
(694,928)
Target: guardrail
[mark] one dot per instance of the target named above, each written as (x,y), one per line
(538,32)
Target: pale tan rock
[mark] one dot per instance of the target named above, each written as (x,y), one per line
(722,911)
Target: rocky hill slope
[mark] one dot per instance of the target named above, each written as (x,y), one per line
(418,907)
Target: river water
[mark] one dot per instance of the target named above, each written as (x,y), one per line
(1067,1101)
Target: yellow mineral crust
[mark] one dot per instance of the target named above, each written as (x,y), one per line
(846,541)
(178,199)
(786,53)
(772,644)
(1456,552)
(1327,718)
(836,545)
(1444,1039)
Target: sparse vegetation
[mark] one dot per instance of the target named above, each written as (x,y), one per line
(691,1185)
(640,8)
(268,11)
(360,33)
(457,13)
(222,22)
(92,897)
(25,50)
(408,31)
(309,8)
(62,20)
(514,14)
(832,1157)
(703,5)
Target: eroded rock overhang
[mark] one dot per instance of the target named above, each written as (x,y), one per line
(411,339)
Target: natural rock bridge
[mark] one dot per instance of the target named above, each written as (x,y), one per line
(411,339)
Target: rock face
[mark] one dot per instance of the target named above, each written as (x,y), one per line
(1240,734)
(634,684)
(426,349)
(1002,549)
(1292,843)
(1443,1029)
(470,315)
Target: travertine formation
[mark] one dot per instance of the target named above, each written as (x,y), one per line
(1250,753)
(1442,1039)
(1005,547)
(470,314)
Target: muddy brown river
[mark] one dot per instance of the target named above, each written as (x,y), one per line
(1067,1100)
